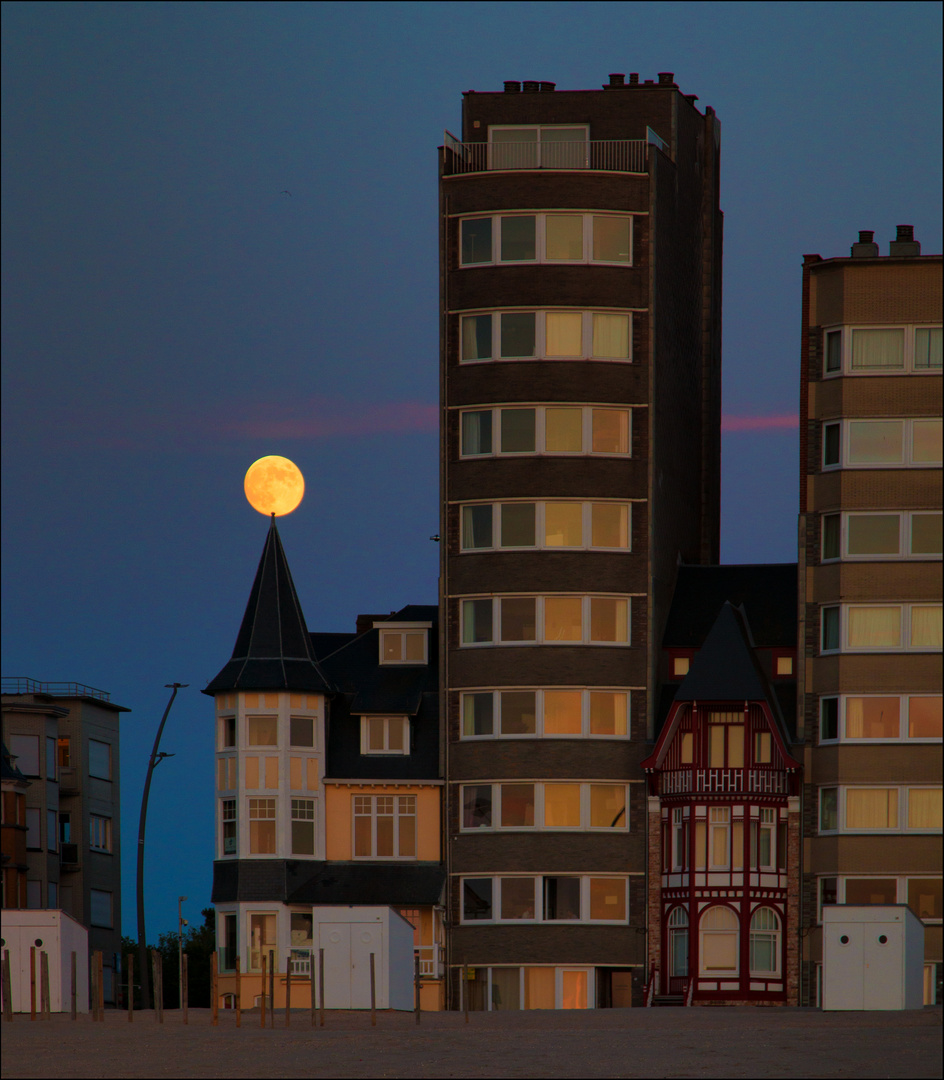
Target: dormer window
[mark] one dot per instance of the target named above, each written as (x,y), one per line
(385,735)
(403,644)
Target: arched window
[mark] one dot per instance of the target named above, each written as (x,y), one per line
(678,942)
(719,941)
(765,942)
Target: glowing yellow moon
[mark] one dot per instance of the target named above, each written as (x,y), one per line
(274,485)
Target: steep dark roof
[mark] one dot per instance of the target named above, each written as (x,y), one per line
(297,881)
(366,686)
(725,668)
(766,591)
(9,771)
(273,649)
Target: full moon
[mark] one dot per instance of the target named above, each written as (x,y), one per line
(274,485)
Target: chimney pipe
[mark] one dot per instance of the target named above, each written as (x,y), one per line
(666,78)
(512,86)
(616,79)
(530,86)
(904,245)
(865,248)
(547,87)
(634,78)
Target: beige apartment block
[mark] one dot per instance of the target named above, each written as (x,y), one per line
(63,738)
(870,589)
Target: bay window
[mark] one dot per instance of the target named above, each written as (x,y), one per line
(572,805)
(882,443)
(545,429)
(557,713)
(573,237)
(880,350)
(545,898)
(545,334)
(546,620)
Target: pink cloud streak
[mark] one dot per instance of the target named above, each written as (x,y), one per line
(760,423)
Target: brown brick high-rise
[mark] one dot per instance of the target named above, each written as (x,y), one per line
(580,308)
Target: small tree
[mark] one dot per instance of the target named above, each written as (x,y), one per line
(199,943)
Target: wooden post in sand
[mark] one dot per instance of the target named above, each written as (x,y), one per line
(214,990)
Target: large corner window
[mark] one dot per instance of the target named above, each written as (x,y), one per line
(878,628)
(881,350)
(549,714)
(882,536)
(545,805)
(546,238)
(546,620)
(546,525)
(546,429)
(546,335)
(882,443)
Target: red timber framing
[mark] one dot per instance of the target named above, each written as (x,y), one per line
(724,834)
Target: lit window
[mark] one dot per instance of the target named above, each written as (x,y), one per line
(262,826)
(385,735)
(540,429)
(546,238)
(403,646)
(783,665)
(384,826)
(537,713)
(545,805)
(546,620)
(680,666)
(719,941)
(262,938)
(263,730)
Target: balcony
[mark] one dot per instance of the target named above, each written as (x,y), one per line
(605,155)
(68,780)
(724,781)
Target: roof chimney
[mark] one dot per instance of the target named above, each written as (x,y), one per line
(616,79)
(530,87)
(904,245)
(512,86)
(547,87)
(865,248)
(667,78)
(634,78)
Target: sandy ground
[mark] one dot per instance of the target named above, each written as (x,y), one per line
(699,1042)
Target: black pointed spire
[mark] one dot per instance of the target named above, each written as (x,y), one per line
(273,648)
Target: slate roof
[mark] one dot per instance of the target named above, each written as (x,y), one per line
(297,881)
(273,649)
(766,591)
(725,667)
(365,686)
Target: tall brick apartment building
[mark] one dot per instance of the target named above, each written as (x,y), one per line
(580,269)
(870,587)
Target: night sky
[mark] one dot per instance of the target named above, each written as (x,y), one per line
(220,242)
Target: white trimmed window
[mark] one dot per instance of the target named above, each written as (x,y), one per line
(228,825)
(924,895)
(880,809)
(568,805)
(765,942)
(546,335)
(546,429)
(226,732)
(881,628)
(881,350)
(262,937)
(874,718)
(882,535)
(262,826)
(546,620)
(303,826)
(564,237)
(882,443)
(399,645)
(567,898)
(385,735)
(384,826)
(262,731)
(511,526)
(567,712)
(100,833)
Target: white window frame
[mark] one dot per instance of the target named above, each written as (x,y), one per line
(904,645)
(540,525)
(273,817)
(907,440)
(905,529)
(539,899)
(540,237)
(539,808)
(540,334)
(393,629)
(902,827)
(297,812)
(403,722)
(585,616)
(539,733)
(539,431)
(718,973)
(538,128)
(777,935)
(908,351)
(229,814)
(904,706)
(225,723)
(100,834)
(397,815)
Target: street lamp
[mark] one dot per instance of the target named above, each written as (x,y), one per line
(181,923)
(155,759)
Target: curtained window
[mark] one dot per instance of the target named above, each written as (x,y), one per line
(765,942)
(719,941)
(924,808)
(873,349)
(872,808)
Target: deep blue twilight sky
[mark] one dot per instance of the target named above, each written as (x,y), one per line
(169,315)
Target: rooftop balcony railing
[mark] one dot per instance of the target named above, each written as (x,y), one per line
(16,684)
(723,781)
(607,155)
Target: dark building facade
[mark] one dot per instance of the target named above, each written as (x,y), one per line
(580,269)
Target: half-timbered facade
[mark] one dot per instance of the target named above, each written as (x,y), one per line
(724,825)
